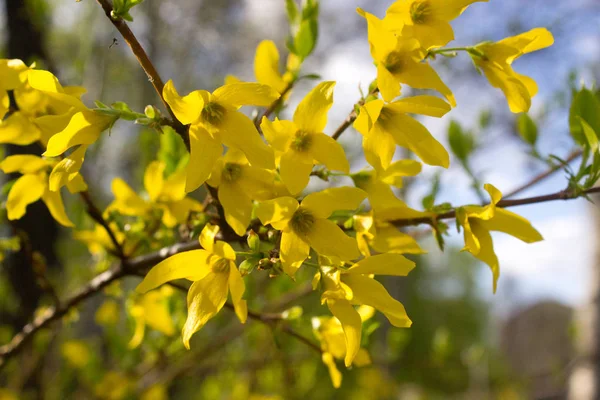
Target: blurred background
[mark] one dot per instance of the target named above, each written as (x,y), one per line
(536,338)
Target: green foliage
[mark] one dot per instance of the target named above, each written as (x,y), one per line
(527,129)
(462,143)
(585,106)
(121,9)
(304,27)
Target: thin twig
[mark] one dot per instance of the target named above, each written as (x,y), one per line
(269,110)
(562,195)
(145,63)
(539,178)
(351,117)
(95,213)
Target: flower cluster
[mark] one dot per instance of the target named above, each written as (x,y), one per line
(257,174)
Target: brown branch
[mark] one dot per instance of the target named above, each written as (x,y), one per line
(562,195)
(352,116)
(542,176)
(145,63)
(95,213)
(102,280)
(273,106)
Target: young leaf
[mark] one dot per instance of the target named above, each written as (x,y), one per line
(527,129)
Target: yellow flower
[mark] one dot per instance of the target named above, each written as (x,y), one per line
(167,195)
(76,352)
(214,274)
(266,66)
(378,184)
(13,74)
(32,186)
(99,242)
(301,143)
(384,126)
(344,288)
(399,60)
(239,185)
(383,236)
(428,21)
(330,333)
(215,121)
(495,60)
(151,309)
(478,221)
(306,225)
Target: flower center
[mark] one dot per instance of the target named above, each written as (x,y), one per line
(394,62)
(213,113)
(221,266)
(302,221)
(301,142)
(231,172)
(361,179)
(420,11)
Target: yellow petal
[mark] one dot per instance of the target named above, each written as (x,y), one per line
(311,113)
(239,132)
(411,134)
(207,236)
(294,251)
(383,264)
(329,152)
(379,147)
(397,170)
(18,129)
(84,128)
(368,115)
(127,201)
(156,312)
(370,292)
(351,324)
(390,239)
(512,224)
(191,265)
(23,163)
(423,105)
(154,179)
(266,66)
(49,125)
(328,239)
(423,76)
(532,40)
(246,94)
(140,327)
(295,170)
(56,207)
(322,204)
(381,41)
(388,84)
(450,9)
(334,373)
(278,133)
(47,83)
(204,153)
(237,206)
(76,184)
(26,190)
(276,210)
(177,212)
(187,109)
(205,299)
(486,252)
(237,288)
(515,91)
(67,170)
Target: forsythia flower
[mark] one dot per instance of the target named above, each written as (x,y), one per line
(399,60)
(495,60)
(33,185)
(214,274)
(239,185)
(13,74)
(384,126)
(383,236)
(330,333)
(266,66)
(305,225)
(344,288)
(301,143)
(215,120)
(151,309)
(428,21)
(378,184)
(167,195)
(478,221)
(98,241)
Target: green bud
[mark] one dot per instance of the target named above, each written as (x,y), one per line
(247,266)
(253,241)
(150,112)
(292,313)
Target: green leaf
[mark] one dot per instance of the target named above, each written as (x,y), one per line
(462,143)
(292,11)
(585,105)
(306,38)
(590,135)
(171,150)
(527,129)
